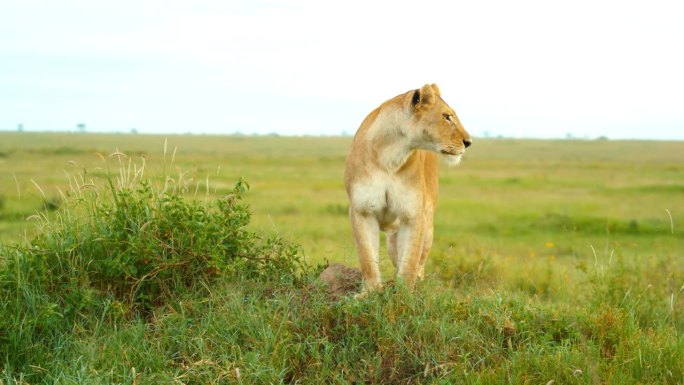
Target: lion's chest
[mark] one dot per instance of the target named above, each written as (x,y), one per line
(390,199)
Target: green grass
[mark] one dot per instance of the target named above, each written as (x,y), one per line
(248,333)
(553,260)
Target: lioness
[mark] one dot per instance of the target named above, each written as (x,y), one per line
(391,179)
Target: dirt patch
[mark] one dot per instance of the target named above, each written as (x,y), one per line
(341,280)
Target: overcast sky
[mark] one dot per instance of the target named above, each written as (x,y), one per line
(311,67)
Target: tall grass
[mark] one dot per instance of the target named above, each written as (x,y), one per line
(118,250)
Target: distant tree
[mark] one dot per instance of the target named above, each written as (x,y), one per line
(81,127)
(20,127)
(134,130)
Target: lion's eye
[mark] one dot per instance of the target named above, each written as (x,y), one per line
(447,117)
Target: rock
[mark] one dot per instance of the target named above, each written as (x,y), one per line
(341,280)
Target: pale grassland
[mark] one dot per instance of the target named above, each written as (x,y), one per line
(509,199)
(513,207)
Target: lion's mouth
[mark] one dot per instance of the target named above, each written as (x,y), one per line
(447,151)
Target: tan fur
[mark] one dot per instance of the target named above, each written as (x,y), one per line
(391,179)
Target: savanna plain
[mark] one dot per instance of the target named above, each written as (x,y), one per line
(142,259)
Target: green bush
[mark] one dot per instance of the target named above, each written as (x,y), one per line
(122,253)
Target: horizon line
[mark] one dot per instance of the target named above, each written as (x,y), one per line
(320,135)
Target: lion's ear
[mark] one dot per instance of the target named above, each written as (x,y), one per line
(424,97)
(415,99)
(436,89)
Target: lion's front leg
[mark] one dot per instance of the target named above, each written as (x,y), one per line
(410,246)
(427,243)
(367,236)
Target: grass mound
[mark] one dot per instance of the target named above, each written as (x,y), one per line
(257,332)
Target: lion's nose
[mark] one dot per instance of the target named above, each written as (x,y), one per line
(467,142)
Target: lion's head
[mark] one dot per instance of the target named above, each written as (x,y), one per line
(436,126)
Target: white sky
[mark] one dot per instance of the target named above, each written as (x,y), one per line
(512,68)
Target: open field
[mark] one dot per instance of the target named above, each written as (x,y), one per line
(580,241)
(511,206)
(513,200)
